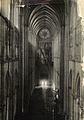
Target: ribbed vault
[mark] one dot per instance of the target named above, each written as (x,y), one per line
(44,24)
(44,16)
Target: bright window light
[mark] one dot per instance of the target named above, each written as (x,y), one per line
(44,83)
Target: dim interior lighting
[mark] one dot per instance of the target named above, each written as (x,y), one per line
(44,83)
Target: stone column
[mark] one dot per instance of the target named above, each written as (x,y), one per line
(62,70)
(21,60)
(66,60)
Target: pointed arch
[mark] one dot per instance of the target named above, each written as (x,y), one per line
(44,15)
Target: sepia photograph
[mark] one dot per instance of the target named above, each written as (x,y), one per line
(41,59)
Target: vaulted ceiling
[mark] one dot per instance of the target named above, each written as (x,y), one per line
(48,14)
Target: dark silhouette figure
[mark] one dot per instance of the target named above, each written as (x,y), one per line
(37,109)
(21,116)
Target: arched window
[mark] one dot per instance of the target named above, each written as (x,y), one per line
(3,29)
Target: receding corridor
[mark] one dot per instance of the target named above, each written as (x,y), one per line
(41,60)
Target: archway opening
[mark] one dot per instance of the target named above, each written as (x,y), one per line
(44,36)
